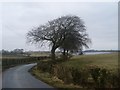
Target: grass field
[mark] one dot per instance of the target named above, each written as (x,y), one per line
(13,60)
(38,54)
(109,61)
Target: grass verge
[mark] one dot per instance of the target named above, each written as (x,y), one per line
(107,61)
(51,80)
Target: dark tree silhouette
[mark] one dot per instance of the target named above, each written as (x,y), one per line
(60,32)
(75,42)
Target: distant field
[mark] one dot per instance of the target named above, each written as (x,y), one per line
(37,54)
(12,57)
(13,60)
(109,61)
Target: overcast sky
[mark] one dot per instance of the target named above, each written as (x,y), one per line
(101,20)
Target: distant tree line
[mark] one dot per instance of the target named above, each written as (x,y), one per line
(102,51)
(13,52)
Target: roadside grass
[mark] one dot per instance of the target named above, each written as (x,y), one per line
(51,80)
(107,61)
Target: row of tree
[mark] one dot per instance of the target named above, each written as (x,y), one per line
(13,52)
(67,33)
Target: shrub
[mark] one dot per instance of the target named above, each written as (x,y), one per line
(66,57)
(94,77)
(80,76)
(95,73)
(114,79)
(71,75)
(103,78)
(45,66)
(88,77)
(63,73)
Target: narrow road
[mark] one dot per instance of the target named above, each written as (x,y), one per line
(19,77)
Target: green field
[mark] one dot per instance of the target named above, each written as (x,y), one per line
(109,61)
(38,54)
(13,60)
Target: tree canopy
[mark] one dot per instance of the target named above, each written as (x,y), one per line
(66,32)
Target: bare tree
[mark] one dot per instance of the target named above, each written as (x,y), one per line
(60,31)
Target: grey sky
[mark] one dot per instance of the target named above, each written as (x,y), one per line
(101,20)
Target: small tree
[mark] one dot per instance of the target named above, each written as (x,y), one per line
(58,32)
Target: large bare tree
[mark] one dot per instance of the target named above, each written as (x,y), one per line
(59,32)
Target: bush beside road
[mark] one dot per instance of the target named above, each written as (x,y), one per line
(87,71)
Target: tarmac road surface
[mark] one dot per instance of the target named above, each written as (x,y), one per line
(19,77)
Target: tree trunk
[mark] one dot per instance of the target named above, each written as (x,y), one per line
(64,52)
(53,53)
(67,52)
